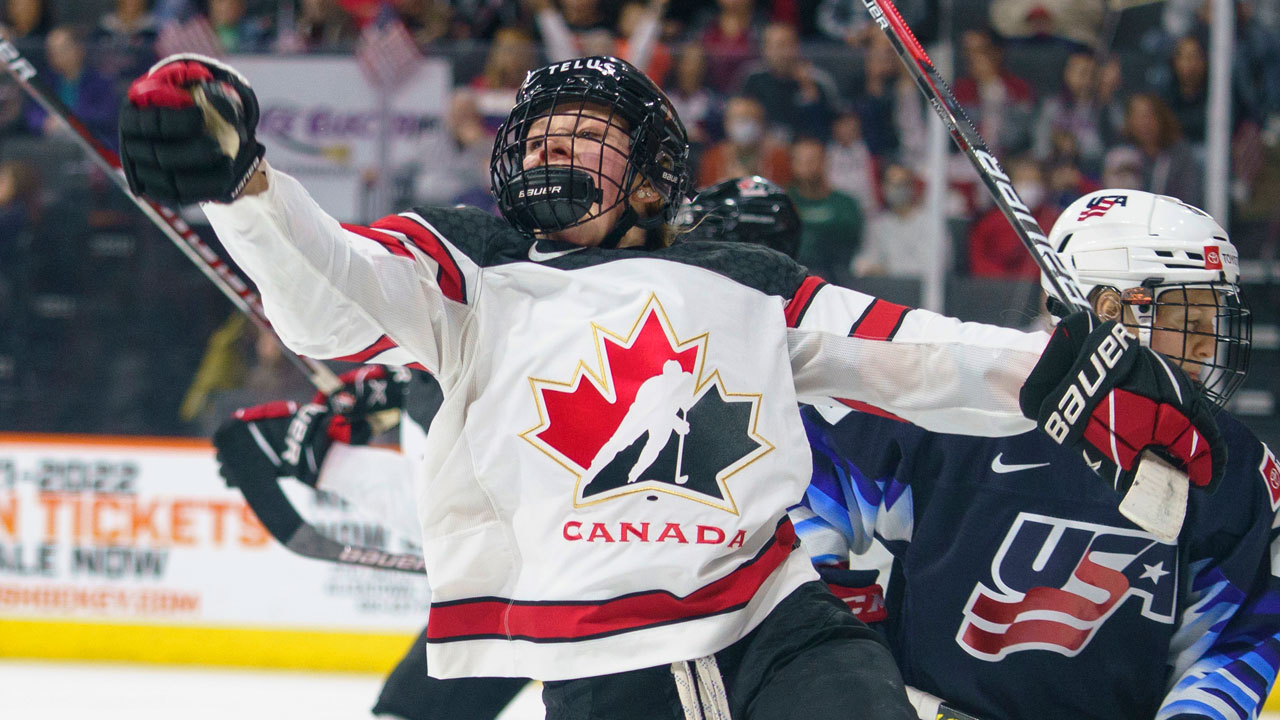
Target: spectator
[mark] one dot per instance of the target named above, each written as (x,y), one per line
(19,208)
(994,247)
(88,93)
(512,54)
(1067,183)
(888,104)
(25,19)
(699,105)
(637,41)
(1075,24)
(1073,116)
(831,221)
(1187,92)
(746,150)
(639,38)
(729,37)
(126,37)
(237,30)
(426,20)
(324,25)
(1169,166)
(1123,168)
(851,168)
(455,161)
(901,240)
(131,25)
(798,98)
(1001,104)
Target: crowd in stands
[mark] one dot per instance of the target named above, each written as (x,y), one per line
(807,93)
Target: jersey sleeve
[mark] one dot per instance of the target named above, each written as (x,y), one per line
(858,491)
(394,293)
(934,371)
(1225,652)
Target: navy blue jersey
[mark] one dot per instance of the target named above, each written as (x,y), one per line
(1018,589)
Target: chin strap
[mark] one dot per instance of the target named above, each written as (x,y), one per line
(626,222)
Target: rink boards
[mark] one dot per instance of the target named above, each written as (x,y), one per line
(133,549)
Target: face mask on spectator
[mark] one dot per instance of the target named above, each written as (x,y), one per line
(743,131)
(1032,194)
(897,196)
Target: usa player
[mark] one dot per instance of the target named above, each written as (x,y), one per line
(653,598)
(1017,589)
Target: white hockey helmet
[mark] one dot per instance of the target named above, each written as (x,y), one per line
(1144,245)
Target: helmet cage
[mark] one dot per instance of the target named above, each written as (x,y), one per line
(1221,375)
(560,194)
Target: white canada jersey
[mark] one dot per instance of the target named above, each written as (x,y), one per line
(605,485)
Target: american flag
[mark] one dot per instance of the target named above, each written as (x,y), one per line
(193,36)
(387,54)
(1100,205)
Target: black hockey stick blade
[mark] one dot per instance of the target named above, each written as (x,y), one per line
(278,515)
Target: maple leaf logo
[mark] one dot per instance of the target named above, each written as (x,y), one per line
(646,417)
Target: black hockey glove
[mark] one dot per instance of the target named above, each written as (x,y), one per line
(367,390)
(859,589)
(279,439)
(187,132)
(1096,388)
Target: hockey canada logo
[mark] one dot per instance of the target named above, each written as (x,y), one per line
(1099,206)
(1056,582)
(647,416)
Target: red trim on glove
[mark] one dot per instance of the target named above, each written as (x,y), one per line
(168,86)
(267,411)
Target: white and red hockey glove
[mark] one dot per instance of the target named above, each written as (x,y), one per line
(187,132)
(1097,389)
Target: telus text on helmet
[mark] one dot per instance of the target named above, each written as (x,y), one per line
(600,66)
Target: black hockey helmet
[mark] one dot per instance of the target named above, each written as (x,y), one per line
(748,209)
(559,195)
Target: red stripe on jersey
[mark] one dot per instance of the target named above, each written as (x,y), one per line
(380,345)
(567,621)
(450,276)
(869,409)
(802,299)
(880,321)
(391,243)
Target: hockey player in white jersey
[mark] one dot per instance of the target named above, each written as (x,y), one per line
(645,599)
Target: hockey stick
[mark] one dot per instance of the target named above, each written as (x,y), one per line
(1157,499)
(270,504)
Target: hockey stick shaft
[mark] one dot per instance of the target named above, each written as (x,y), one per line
(966,137)
(1156,501)
(173,226)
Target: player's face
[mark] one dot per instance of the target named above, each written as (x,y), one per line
(1185,326)
(591,138)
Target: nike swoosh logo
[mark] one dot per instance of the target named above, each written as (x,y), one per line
(999,467)
(537,255)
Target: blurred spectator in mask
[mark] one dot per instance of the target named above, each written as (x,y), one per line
(746,149)
(729,35)
(130,25)
(324,25)
(1073,116)
(453,162)
(994,247)
(888,102)
(88,93)
(798,98)
(851,168)
(1001,104)
(831,221)
(1075,24)
(700,106)
(27,19)
(236,28)
(1169,167)
(512,54)
(901,240)
(125,38)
